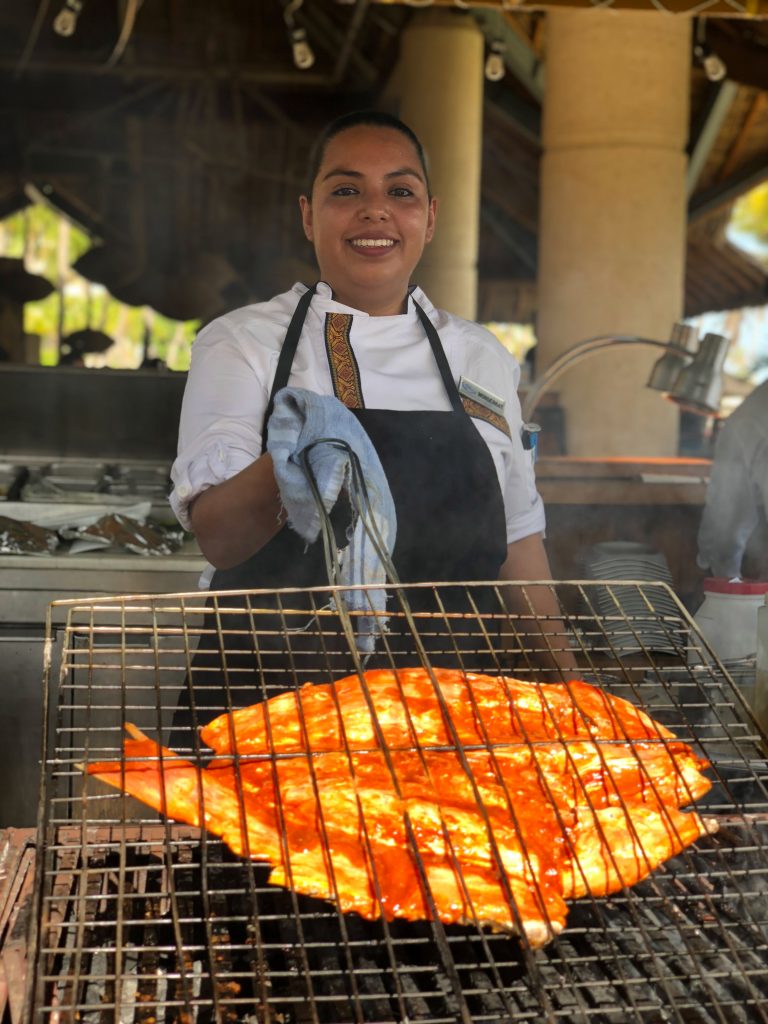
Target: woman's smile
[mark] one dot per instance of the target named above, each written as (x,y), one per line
(373,247)
(373,243)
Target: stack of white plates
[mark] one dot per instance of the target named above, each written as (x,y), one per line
(638,616)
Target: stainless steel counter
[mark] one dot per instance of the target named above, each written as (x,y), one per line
(55,415)
(28,584)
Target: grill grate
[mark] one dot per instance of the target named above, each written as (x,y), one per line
(141,920)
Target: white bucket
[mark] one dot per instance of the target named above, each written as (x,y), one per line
(727,617)
(761,681)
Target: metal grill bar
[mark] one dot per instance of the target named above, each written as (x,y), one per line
(144,921)
(367,846)
(582,947)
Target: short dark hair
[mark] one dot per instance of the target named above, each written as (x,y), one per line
(376,118)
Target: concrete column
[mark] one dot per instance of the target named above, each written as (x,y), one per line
(613,217)
(441,81)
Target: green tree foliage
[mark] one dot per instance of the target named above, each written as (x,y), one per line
(50,245)
(750,217)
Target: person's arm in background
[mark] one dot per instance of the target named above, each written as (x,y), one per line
(527,560)
(730,513)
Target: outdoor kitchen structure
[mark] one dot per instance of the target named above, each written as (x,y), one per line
(586,157)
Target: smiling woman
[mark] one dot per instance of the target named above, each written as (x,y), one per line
(436,395)
(369,214)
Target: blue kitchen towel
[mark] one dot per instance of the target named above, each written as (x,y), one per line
(299,418)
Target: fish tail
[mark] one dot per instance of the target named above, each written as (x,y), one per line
(154,774)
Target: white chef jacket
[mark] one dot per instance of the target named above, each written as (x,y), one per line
(234,360)
(737,495)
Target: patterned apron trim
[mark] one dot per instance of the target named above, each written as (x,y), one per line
(341,360)
(480,412)
(346,375)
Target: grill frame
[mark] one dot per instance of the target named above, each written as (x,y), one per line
(560,983)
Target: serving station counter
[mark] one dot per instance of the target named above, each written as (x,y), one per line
(653,501)
(54,421)
(28,586)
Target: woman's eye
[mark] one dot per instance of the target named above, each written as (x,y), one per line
(344,190)
(401,192)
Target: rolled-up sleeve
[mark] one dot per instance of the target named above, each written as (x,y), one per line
(522,501)
(221,415)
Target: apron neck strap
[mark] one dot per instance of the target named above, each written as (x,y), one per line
(287,352)
(292,335)
(440,358)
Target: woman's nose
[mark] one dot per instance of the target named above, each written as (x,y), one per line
(374,209)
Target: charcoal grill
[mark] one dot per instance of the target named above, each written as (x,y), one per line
(136,919)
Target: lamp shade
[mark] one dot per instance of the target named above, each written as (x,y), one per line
(699,386)
(667,368)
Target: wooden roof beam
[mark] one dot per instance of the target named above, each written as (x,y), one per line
(719,103)
(339,43)
(277,77)
(752,174)
(520,59)
(713,9)
(522,118)
(518,239)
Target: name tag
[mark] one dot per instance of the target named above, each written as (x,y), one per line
(481,395)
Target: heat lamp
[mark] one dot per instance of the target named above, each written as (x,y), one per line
(688,373)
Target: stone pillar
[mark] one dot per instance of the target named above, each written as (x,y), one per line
(441,82)
(613,218)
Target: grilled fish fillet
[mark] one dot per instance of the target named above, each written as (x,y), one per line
(470,798)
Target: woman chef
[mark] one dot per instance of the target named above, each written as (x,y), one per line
(435,394)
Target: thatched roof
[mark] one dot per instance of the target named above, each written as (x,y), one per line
(179,139)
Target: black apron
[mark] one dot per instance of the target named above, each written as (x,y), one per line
(450,526)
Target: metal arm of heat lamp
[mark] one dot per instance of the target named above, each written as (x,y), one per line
(690,377)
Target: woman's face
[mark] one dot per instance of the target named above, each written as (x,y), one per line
(369,217)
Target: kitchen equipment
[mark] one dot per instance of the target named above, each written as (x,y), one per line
(631,560)
(686,374)
(29,587)
(80,423)
(11,478)
(97,483)
(761,669)
(80,414)
(137,919)
(727,617)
